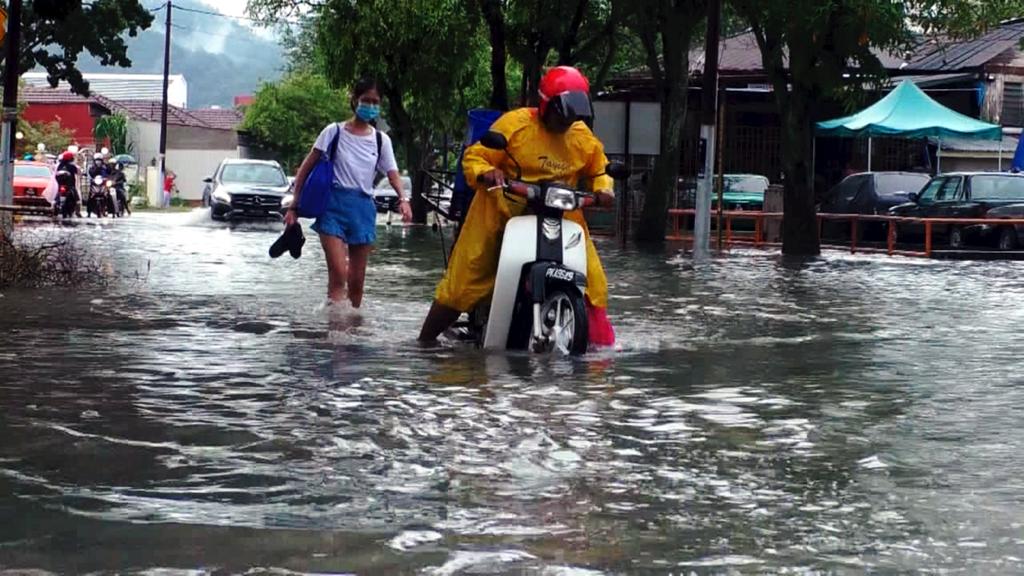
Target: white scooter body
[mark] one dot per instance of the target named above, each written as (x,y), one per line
(518,248)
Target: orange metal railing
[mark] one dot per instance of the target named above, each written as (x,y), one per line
(891,247)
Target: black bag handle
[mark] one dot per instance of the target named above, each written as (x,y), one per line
(334,144)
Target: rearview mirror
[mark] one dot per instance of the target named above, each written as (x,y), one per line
(494,140)
(617,170)
(913,197)
(208,180)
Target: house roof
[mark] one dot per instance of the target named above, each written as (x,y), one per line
(124,86)
(138,110)
(947,55)
(739,55)
(223,118)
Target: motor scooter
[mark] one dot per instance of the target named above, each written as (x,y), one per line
(538,303)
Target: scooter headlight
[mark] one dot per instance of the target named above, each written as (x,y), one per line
(560,199)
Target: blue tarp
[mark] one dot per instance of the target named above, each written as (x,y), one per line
(1018,157)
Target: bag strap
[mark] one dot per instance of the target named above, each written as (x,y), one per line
(380,142)
(334,143)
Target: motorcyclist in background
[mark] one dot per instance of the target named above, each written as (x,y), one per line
(67,176)
(120,185)
(98,168)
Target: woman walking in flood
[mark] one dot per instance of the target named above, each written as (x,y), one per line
(347,228)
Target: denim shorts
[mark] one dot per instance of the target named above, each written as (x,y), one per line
(351,215)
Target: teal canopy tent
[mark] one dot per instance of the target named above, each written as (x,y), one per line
(907,112)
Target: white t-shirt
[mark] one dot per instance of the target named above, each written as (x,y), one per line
(355,160)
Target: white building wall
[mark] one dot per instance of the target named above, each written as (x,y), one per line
(192,166)
(145,140)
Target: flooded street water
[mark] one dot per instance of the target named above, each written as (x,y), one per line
(204,413)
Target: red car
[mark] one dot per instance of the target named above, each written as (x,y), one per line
(30,180)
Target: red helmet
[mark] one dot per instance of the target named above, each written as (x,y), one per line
(67,157)
(564,98)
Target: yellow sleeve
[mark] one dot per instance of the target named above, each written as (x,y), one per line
(478,159)
(597,163)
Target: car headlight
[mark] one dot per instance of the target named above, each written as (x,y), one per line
(286,202)
(560,199)
(220,195)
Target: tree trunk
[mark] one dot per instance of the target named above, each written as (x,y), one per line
(406,133)
(799,220)
(496,25)
(675,26)
(414,157)
(606,65)
(662,184)
(566,55)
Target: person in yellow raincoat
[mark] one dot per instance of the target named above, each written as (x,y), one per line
(552,144)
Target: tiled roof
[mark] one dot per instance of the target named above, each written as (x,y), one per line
(37,95)
(139,110)
(223,118)
(149,111)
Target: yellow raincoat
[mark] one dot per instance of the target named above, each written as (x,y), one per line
(544,156)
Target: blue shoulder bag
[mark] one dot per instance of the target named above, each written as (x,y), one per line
(317,187)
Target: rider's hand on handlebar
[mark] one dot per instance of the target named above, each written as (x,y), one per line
(493,178)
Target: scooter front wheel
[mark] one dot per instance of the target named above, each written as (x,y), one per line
(564,327)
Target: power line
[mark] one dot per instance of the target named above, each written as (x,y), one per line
(211,13)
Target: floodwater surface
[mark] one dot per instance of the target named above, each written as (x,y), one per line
(204,412)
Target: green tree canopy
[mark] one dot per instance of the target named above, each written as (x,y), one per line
(286,116)
(55,32)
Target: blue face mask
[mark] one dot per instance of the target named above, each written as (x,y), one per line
(367,112)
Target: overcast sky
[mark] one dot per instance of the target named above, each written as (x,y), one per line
(232,7)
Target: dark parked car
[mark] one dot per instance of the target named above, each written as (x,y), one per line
(246,189)
(868,193)
(963,195)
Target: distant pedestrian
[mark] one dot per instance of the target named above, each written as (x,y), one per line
(169,178)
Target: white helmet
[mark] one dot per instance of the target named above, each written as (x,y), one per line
(97,156)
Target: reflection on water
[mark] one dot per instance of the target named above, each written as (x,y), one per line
(840,415)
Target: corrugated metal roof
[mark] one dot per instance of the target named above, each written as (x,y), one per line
(1008,143)
(740,54)
(953,55)
(124,86)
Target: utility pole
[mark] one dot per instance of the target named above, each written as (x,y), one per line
(709,113)
(10,111)
(163,109)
